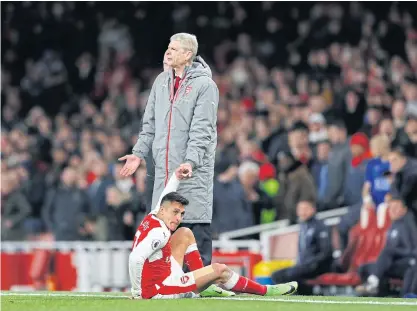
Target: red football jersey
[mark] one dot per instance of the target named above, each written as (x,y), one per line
(152,242)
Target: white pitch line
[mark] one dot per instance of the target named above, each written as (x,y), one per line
(336,302)
(292,300)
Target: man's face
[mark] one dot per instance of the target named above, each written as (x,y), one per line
(411,130)
(323,150)
(172,213)
(305,210)
(298,139)
(396,209)
(69,176)
(357,150)
(334,134)
(386,127)
(398,109)
(176,56)
(396,162)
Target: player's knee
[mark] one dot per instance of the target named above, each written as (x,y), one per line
(185,233)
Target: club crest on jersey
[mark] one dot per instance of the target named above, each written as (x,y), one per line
(155,244)
(184,279)
(188,89)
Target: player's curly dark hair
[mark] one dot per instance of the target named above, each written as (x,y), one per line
(175,197)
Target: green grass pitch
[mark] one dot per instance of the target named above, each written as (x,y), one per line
(62,301)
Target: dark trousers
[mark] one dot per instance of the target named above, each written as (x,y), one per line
(150,180)
(347,222)
(300,273)
(387,265)
(410,281)
(202,234)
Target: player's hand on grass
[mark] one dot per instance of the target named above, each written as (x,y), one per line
(131,165)
(184,171)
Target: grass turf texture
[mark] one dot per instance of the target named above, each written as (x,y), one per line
(57,301)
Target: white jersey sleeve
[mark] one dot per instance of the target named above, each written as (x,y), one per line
(171,186)
(156,239)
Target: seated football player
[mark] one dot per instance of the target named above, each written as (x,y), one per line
(155,263)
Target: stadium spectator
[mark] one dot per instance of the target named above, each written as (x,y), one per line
(398,254)
(355,176)
(296,184)
(232,194)
(411,132)
(318,130)
(320,170)
(102,180)
(66,208)
(15,208)
(339,160)
(404,183)
(314,247)
(377,184)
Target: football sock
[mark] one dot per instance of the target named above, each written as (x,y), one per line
(242,284)
(192,258)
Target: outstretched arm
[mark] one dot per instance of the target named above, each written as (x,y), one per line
(172,185)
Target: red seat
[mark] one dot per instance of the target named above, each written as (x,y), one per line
(366,241)
(338,279)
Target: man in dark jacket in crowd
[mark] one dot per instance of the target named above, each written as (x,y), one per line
(339,160)
(230,198)
(399,251)
(66,208)
(14,210)
(314,247)
(296,184)
(404,184)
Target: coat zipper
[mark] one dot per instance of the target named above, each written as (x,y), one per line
(173,98)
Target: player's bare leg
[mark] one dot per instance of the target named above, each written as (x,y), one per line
(184,248)
(221,274)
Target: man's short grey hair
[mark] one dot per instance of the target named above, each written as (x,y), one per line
(188,42)
(248,166)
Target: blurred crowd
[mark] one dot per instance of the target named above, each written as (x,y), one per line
(303,89)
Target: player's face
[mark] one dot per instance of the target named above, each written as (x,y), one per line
(173,214)
(176,56)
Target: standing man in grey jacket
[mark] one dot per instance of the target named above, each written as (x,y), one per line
(179,127)
(339,160)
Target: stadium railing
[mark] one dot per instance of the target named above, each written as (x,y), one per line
(239,233)
(273,242)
